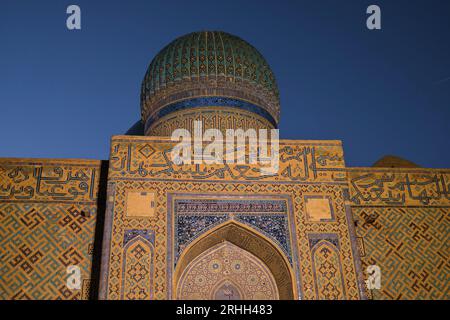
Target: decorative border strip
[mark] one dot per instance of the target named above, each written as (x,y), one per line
(170,232)
(207,102)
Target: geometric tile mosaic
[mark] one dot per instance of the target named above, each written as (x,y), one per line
(412,248)
(47,222)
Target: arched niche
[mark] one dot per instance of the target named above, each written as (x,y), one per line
(227,272)
(327,271)
(249,240)
(137,274)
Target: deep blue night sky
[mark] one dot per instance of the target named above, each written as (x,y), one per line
(63,93)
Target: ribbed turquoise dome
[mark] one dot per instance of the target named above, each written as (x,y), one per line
(209,60)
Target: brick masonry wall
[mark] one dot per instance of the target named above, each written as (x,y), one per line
(48,211)
(403,226)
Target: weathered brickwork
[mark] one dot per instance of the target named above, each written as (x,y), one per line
(403,226)
(197,206)
(48,212)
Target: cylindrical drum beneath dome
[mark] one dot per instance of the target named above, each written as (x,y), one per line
(213,77)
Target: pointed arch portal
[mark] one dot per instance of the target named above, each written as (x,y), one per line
(232,262)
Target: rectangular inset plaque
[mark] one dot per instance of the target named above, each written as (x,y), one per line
(140,204)
(319,209)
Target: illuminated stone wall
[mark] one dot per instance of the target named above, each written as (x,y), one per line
(212,118)
(403,226)
(48,211)
(161,216)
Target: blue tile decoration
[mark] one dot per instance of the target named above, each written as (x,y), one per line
(189,226)
(212,101)
(329,237)
(193,217)
(130,234)
(273,226)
